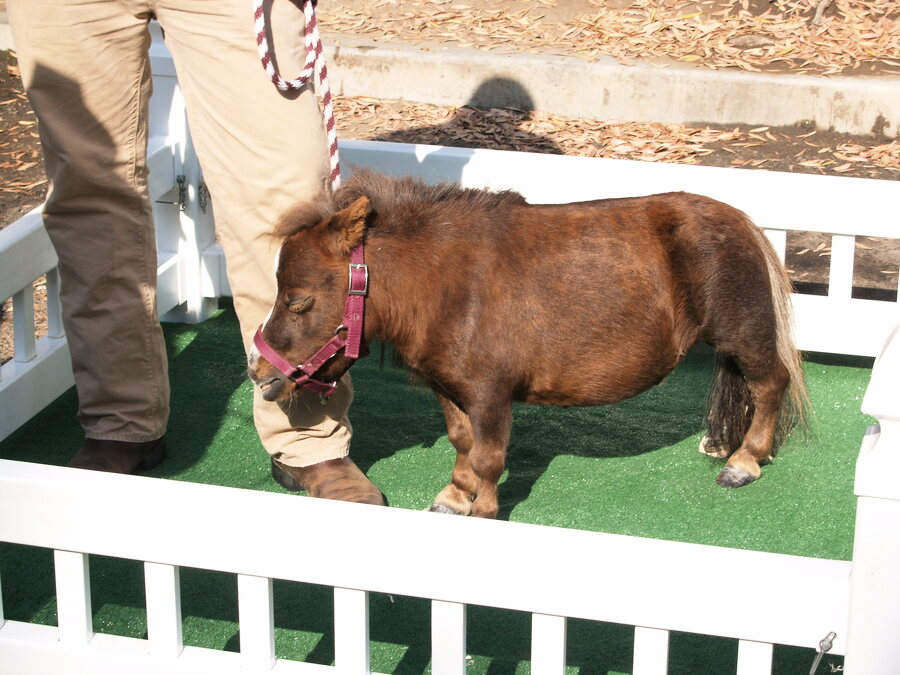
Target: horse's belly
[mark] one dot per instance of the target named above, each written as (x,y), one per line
(597,387)
(603,377)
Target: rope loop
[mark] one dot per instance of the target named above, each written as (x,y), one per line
(315,62)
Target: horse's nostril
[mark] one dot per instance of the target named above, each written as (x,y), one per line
(271,389)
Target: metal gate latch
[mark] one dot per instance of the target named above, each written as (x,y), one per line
(177,195)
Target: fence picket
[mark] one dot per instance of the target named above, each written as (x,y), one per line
(548,644)
(840,276)
(73,597)
(23,325)
(55,327)
(651,651)
(351,630)
(778,238)
(754,658)
(163,590)
(448,638)
(256,616)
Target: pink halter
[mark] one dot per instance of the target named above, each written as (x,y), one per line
(354,312)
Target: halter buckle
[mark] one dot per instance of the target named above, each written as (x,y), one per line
(352,289)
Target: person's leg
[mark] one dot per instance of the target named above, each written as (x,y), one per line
(84,66)
(261,151)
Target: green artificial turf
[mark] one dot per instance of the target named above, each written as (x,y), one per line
(632,468)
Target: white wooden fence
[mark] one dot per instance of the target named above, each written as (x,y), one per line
(607,577)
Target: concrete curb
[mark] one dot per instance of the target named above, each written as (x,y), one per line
(435,73)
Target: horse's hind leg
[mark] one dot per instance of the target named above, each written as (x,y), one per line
(766,380)
(729,409)
(457,497)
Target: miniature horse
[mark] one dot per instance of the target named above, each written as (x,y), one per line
(490,299)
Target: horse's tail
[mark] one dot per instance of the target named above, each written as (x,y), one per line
(796,408)
(730,404)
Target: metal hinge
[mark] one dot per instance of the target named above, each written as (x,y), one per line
(177,195)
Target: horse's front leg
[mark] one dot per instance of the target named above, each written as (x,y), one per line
(490,437)
(457,497)
(480,439)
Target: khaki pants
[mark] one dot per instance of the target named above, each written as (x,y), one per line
(85,67)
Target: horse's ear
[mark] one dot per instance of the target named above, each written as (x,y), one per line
(349,225)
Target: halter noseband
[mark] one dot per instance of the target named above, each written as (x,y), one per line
(354,310)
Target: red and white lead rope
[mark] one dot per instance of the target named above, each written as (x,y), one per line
(315,61)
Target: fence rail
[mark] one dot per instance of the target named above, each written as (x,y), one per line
(552,573)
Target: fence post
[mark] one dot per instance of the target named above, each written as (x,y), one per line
(873,647)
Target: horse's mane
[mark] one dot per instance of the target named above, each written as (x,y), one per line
(405,196)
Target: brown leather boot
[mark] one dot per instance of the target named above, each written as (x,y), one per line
(119,456)
(337,479)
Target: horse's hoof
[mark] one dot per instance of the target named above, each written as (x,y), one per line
(440,508)
(709,449)
(733,477)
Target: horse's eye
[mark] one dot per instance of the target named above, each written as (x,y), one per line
(298,303)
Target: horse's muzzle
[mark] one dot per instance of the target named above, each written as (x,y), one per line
(271,385)
(272,389)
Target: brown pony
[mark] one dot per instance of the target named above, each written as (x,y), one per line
(490,299)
